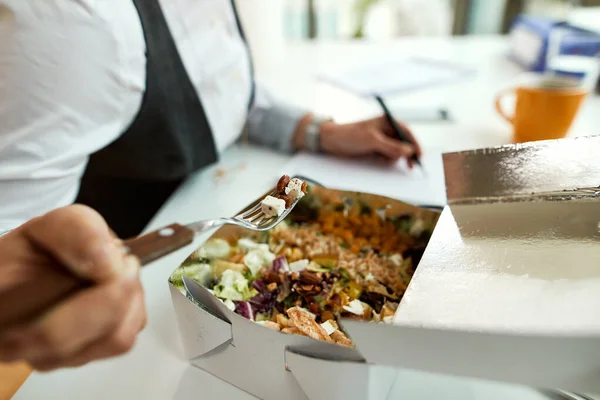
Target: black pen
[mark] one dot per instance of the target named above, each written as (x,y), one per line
(400,132)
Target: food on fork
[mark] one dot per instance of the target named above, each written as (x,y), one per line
(272,206)
(288,190)
(326,261)
(296,189)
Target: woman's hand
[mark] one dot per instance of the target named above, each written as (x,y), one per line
(97,322)
(373,136)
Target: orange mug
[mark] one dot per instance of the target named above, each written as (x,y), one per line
(545,108)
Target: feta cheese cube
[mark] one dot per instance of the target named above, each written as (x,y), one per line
(272,206)
(355,307)
(229,304)
(418,228)
(299,265)
(246,245)
(294,189)
(329,328)
(396,259)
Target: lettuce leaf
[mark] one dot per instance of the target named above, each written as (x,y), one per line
(233,286)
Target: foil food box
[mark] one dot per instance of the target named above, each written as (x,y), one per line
(271,364)
(509,286)
(508,289)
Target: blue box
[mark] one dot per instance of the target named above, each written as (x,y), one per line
(530,40)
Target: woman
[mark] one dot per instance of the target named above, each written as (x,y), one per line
(133,96)
(129,97)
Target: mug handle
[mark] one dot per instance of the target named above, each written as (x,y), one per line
(499,97)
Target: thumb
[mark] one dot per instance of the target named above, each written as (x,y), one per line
(392,148)
(79,239)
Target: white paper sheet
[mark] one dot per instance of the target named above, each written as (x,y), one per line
(389,76)
(374,176)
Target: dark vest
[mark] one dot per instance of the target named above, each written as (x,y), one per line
(170,138)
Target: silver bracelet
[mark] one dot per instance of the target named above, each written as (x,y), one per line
(312,134)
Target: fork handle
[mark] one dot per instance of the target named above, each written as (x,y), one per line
(159,243)
(56,283)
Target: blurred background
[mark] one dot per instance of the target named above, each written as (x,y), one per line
(272,23)
(438,63)
(384,19)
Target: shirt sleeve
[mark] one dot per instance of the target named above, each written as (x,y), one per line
(271,121)
(69,85)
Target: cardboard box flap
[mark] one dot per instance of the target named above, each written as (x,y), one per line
(202,332)
(522,170)
(209,304)
(545,361)
(205,299)
(254,359)
(499,264)
(360,380)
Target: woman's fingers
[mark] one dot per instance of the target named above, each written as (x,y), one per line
(117,342)
(413,139)
(391,148)
(390,132)
(74,323)
(99,318)
(84,244)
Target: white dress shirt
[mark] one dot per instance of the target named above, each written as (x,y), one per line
(72,77)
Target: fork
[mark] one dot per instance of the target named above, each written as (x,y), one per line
(163,241)
(30,297)
(557,394)
(572,396)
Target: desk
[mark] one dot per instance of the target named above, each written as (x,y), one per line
(155,369)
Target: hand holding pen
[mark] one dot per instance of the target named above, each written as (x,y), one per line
(375,136)
(402,133)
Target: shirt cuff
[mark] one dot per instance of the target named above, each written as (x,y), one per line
(272,122)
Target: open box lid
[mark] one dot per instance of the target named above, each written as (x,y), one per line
(509,286)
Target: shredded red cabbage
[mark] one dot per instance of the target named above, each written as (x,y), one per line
(264,302)
(326,289)
(285,289)
(259,285)
(244,309)
(280,265)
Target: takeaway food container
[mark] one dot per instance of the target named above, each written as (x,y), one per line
(508,289)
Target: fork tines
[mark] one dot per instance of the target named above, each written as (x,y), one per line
(255,216)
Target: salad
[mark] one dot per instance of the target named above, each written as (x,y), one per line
(328,259)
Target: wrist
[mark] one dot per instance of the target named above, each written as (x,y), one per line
(309,132)
(299,137)
(326,135)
